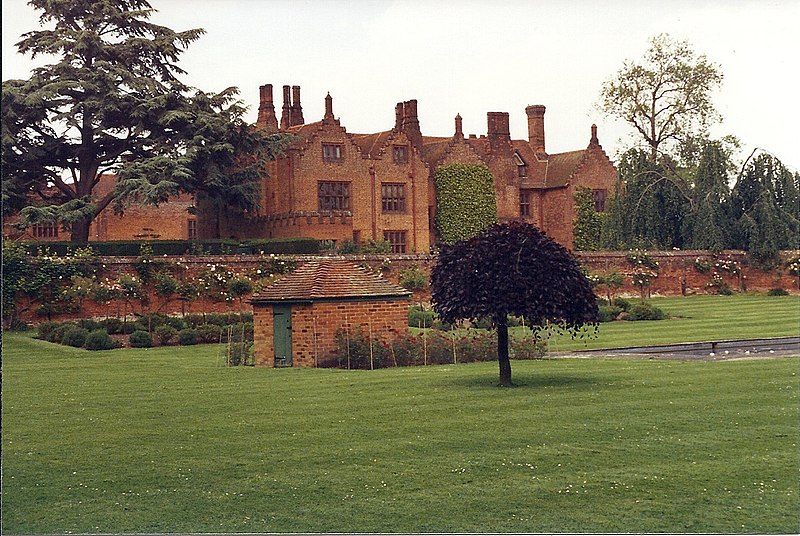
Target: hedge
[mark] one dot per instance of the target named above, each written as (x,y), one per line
(132,248)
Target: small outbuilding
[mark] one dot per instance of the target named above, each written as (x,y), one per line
(296,319)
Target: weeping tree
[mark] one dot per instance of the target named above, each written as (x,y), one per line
(512,269)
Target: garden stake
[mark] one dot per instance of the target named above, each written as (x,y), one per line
(371,357)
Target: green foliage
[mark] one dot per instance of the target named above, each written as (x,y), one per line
(588,225)
(466,201)
(708,224)
(419,317)
(765,204)
(666,97)
(165,334)
(609,313)
(777,292)
(99,339)
(209,333)
(187,337)
(74,336)
(645,311)
(140,339)
(413,278)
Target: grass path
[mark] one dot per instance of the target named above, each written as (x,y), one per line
(166,440)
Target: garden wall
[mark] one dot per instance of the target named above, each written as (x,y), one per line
(678,272)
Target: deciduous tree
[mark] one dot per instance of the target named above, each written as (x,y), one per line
(666,97)
(512,269)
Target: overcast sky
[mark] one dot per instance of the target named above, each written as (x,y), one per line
(476,56)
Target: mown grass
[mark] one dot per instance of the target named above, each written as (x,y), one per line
(696,319)
(166,440)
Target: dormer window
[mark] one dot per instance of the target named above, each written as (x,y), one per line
(331,152)
(400,154)
(522,168)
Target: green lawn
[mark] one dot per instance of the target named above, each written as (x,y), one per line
(699,318)
(166,440)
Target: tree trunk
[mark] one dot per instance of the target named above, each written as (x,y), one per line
(80,231)
(502,351)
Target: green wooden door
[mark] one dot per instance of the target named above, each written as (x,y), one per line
(282,326)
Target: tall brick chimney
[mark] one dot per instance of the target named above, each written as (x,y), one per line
(286,112)
(498,132)
(266,109)
(328,106)
(406,116)
(459,130)
(536,127)
(297,110)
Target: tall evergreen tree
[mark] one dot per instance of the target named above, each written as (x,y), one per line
(111,102)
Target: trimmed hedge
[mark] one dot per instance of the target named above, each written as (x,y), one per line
(133,248)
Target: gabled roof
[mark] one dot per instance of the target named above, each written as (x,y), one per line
(372,145)
(562,166)
(327,280)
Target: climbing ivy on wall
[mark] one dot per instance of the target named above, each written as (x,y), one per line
(466,202)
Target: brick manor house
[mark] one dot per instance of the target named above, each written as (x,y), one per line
(334,185)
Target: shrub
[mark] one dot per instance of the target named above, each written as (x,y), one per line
(129,327)
(89,324)
(165,333)
(187,337)
(61,329)
(608,313)
(176,322)
(45,330)
(622,303)
(777,292)
(75,336)
(140,339)
(99,339)
(112,325)
(418,317)
(413,278)
(527,347)
(353,349)
(645,311)
(208,333)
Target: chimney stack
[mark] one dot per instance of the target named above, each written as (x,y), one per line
(266,109)
(328,106)
(498,132)
(407,121)
(459,131)
(536,127)
(594,142)
(297,110)
(286,112)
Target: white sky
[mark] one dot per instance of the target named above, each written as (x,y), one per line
(476,56)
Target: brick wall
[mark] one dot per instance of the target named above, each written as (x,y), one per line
(314,328)
(677,275)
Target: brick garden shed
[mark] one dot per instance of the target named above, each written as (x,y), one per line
(296,319)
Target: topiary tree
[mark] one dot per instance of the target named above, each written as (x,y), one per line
(512,269)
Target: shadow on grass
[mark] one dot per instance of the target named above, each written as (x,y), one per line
(526,380)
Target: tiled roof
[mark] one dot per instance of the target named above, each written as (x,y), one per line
(326,280)
(372,144)
(561,167)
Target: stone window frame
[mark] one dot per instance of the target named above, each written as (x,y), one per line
(333,195)
(393,197)
(396,239)
(600,196)
(191,229)
(45,230)
(332,152)
(525,203)
(400,154)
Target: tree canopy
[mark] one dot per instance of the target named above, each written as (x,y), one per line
(112,103)
(666,97)
(512,269)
